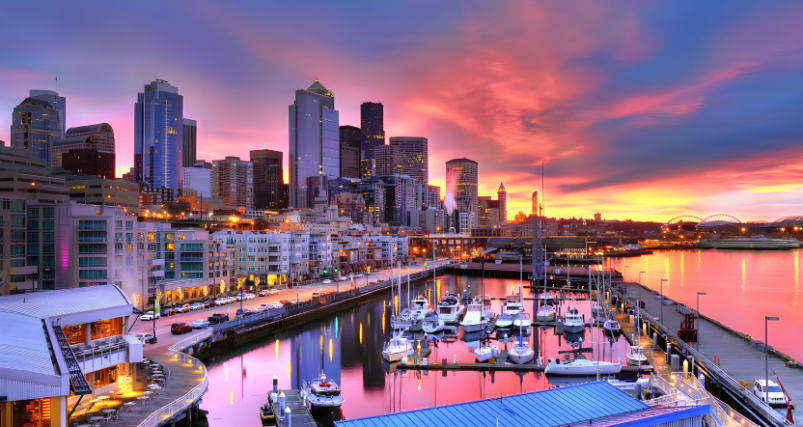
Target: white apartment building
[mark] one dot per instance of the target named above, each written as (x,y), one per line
(270,257)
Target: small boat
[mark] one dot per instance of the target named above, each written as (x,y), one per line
(396,348)
(432,324)
(487,311)
(473,321)
(522,321)
(596,309)
(403,321)
(486,352)
(573,321)
(449,308)
(513,305)
(546,298)
(322,393)
(636,356)
(612,327)
(419,308)
(504,320)
(581,367)
(546,314)
(266,415)
(521,352)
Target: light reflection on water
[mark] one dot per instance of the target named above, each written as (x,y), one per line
(347,347)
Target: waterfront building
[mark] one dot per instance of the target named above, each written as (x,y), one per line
(198,178)
(159,135)
(464,174)
(233,181)
(320,255)
(314,140)
(95,190)
(259,254)
(372,124)
(56,101)
(355,254)
(15,274)
(189,142)
(21,174)
(36,126)
(350,140)
(414,153)
(195,262)
(268,178)
(393,246)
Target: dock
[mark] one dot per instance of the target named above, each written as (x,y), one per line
(500,364)
(300,415)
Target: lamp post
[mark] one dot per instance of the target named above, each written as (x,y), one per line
(639,285)
(662,300)
(766,360)
(698,329)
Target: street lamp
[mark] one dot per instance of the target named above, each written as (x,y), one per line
(698,329)
(662,300)
(766,360)
(639,284)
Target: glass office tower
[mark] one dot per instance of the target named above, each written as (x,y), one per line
(159,136)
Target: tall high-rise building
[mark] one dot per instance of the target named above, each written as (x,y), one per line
(102,133)
(372,122)
(268,178)
(159,135)
(502,197)
(535,203)
(350,138)
(314,140)
(414,152)
(387,160)
(189,140)
(233,182)
(35,126)
(464,173)
(198,178)
(56,101)
(399,199)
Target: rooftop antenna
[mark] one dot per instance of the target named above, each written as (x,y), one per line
(57,85)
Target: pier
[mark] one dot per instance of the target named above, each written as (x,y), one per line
(300,415)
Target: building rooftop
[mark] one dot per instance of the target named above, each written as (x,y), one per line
(66,302)
(548,408)
(23,347)
(100,127)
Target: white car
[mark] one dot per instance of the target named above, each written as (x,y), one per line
(278,305)
(250,296)
(200,324)
(272,292)
(143,337)
(149,316)
(196,306)
(359,275)
(326,282)
(220,301)
(776,395)
(183,309)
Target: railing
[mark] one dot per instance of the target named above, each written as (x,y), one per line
(713,369)
(189,341)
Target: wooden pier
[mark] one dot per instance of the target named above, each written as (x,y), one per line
(300,415)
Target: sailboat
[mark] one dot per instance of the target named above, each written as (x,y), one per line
(582,367)
(546,314)
(449,308)
(396,348)
(521,352)
(432,324)
(485,352)
(420,308)
(522,321)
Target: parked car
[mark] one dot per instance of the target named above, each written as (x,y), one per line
(326,281)
(143,337)
(168,311)
(183,309)
(250,296)
(218,318)
(149,316)
(220,301)
(266,306)
(259,308)
(287,302)
(196,306)
(238,297)
(209,303)
(776,395)
(229,300)
(272,291)
(200,324)
(180,328)
(242,312)
(263,293)
(278,305)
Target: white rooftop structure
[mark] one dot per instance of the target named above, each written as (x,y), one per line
(71,306)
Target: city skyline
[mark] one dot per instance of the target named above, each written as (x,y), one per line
(638,112)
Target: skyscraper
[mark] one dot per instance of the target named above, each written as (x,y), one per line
(535,203)
(350,138)
(502,195)
(463,173)
(35,126)
(56,101)
(373,134)
(414,152)
(233,181)
(268,178)
(314,140)
(387,160)
(159,135)
(102,133)
(189,139)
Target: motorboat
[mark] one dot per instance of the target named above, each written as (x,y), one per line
(474,320)
(521,353)
(486,352)
(419,308)
(396,348)
(504,320)
(612,327)
(450,333)
(522,321)
(322,393)
(573,321)
(432,323)
(582,367)
(513,305)
(485,301)
(596,309)
(546,314)
(403,321)
(574,339)
(449,308)
(266,415)
(546,298)
(636,356)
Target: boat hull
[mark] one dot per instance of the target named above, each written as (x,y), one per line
(635,361)
(572,327)
(521,357)
(571,369)
(484,354)
(472,327)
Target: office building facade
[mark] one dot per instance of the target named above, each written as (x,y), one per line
(464,174)
(268,178)
(233,182)
(56,101)
(414,153)
(198,178)
(387,160)
(399,199)
(159,135)
(372,124)
(314,140)
(102,135)
(35,126)
(190,138)
(350,140)
(89,161)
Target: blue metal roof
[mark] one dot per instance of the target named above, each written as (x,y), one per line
(548,408)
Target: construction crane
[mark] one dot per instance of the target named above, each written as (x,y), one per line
(789,406)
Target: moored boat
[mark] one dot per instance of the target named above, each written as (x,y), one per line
(322,393)
(636,356)
(581,367)
(396,348)
(573,321)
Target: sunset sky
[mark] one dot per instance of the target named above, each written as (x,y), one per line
(640,110)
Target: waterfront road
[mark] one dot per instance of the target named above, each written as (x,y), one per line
(304,292)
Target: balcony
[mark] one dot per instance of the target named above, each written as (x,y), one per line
(99,238)
(107,352)
(157,273)
(31,269)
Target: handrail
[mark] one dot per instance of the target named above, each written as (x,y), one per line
(189,341)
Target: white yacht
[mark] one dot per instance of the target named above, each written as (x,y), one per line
(432,323)
(522,321)
(596,309)
(521,352)
(504,320)
(322,393)
(546,298)
(473,321)
(403,321)
(513,305)
(397,348)
(583,367)
(450,308)
(419,308)
(574,321)
(546,314)
(485,352)
(612,327)
(636,356)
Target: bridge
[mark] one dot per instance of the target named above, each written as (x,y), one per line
(709,221)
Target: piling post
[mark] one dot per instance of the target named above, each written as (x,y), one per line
(287,418)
